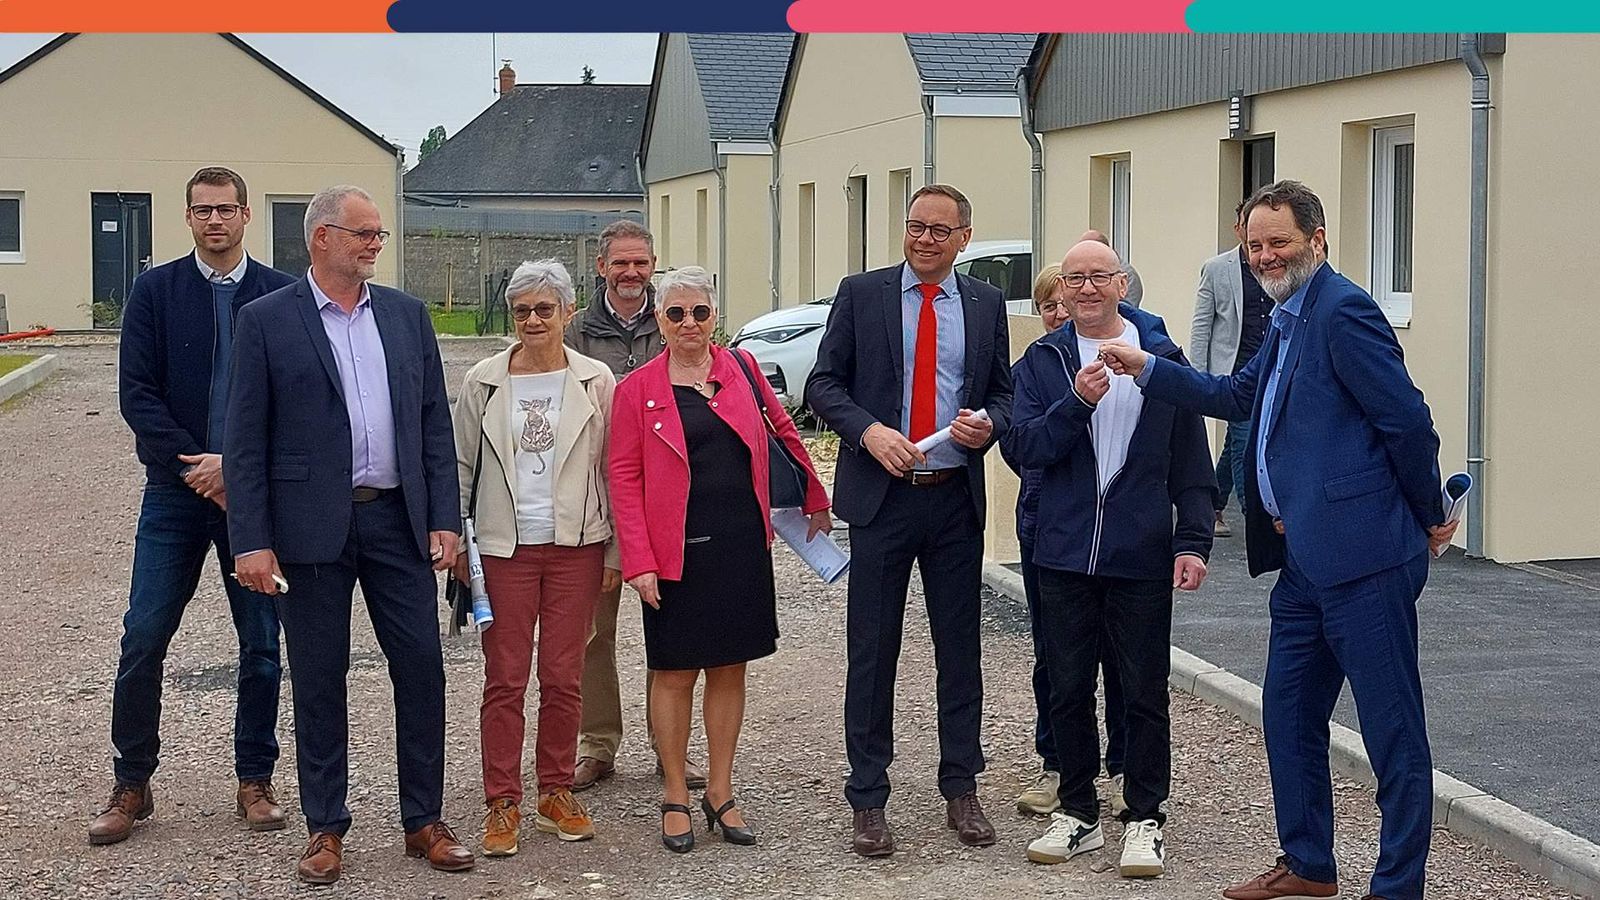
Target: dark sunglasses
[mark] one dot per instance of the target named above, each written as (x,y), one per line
(542,310)
(675,314)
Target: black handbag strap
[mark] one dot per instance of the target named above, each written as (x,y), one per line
(477,467)
(761,402)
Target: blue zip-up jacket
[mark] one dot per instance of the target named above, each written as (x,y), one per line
(166,356)
(1128,532)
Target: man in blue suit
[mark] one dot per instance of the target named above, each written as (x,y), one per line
(1344,495)
(341,467)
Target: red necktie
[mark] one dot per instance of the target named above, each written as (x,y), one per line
(925,374)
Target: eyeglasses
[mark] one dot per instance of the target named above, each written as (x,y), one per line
(542,310)
(939,233)
(224,211)
(675,314)
(1076,280)
(364,236)
(1049,307)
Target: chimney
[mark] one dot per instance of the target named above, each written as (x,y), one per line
(508,78)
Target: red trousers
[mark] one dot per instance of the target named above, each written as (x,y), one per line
(552,589)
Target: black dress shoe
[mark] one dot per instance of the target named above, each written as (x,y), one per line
(677,843)
(873,837)
(743,835)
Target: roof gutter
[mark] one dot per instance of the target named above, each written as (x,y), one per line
(1477,287)
(1036,170)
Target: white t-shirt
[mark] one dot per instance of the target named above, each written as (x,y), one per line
(1117,414)
(535,409)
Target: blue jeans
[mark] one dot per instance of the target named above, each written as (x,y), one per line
(1230,464)
(176,529)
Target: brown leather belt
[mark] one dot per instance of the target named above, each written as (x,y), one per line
(920,478)
(369,494)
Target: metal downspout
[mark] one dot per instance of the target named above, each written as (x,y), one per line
(721,168)
(1036,150)
(400,217)
(774,194)
(928,175)
(1477,284)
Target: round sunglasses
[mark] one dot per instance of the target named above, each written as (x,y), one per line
(675,314)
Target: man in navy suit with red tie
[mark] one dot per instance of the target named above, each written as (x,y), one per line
(908,350)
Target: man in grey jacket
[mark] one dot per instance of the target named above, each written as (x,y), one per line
(1231,315)
(617,328)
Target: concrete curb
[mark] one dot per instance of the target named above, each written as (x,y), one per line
(1564,858)
(26,377)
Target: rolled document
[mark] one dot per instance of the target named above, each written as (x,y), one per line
(1456,489)
(943,434)
(482,613)
(821,553)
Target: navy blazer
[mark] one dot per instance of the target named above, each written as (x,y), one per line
(860,374)
(1353,455)
(166,356)
(286,458)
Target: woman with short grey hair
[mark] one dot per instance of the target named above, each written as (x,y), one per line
(530,426)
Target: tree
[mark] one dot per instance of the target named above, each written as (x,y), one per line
(588,75)
(434,140)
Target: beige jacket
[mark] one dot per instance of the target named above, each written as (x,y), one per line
(582,503)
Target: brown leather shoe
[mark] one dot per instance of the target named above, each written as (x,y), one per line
(323,859)
(590,771)
(257,803)
(873,837)
(965,816)
(694,774)
(129,803)
(1278,883)
(436,843)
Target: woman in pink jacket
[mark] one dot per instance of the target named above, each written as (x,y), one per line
(689,496)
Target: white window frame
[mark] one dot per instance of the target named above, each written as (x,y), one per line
(1121,206)
(19,255)
(1396,305)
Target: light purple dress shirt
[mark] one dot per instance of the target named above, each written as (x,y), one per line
(364,378)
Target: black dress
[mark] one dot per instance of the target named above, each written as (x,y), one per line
(724,610)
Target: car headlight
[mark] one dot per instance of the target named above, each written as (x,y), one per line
(779,335)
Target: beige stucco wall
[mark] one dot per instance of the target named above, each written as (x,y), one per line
(987,158)
(1536,506)
(125,113)
(834,128)
(744,287)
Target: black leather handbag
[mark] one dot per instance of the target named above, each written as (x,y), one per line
(786,478)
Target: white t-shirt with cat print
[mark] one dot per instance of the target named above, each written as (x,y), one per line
(535,409)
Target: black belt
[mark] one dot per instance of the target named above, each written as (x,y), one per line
(922,478)
(369,494)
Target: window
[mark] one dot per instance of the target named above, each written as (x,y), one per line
(288,248)
(1258,166)
(808,242)
(1393,194)
(702,228)
(1121,201)
(11,227)
(900,192)
(664,231)
(856,224)
(1011,273)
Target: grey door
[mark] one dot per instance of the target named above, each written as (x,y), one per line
(120,243)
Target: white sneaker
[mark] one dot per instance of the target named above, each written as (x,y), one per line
(1118,804)
(1066,837)
(1143,850)
(1040,797)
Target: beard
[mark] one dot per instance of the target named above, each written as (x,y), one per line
(1281,284)
(629,291)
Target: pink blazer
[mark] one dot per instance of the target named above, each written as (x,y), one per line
(649,461)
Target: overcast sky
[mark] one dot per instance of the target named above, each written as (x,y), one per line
(400,85)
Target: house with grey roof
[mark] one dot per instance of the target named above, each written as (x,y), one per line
(707,160)
(541,147)
(863,120)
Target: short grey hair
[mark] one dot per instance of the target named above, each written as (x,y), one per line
(688,278)
(544,275)
(325,206)
(624,228)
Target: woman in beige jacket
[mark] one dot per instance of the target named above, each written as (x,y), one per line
(531,426)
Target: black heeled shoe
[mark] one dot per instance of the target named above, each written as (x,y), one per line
(677,843)
(743,835)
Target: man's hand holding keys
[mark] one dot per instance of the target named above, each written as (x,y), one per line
(1123,359)
(1093,381)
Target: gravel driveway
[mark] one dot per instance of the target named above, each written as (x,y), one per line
(70,492)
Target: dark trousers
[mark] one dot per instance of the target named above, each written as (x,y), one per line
(401,592)
(1230,464)
(935,527)
(1366,631)
(1135,618)
(1043,740)
(177,527)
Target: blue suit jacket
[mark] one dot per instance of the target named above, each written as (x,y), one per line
(860,374)
(1353,455)
(287,457)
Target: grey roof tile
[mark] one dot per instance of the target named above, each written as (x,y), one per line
(741,76)
(971,58)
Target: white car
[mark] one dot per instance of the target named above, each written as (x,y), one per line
(785,341)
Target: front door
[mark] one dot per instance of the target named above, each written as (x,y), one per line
(121,247)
